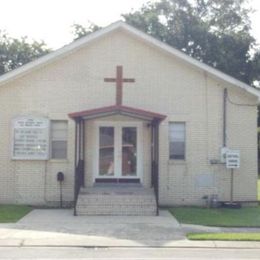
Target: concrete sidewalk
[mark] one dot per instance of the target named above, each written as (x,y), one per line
(55,227)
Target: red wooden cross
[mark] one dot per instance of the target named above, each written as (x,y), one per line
(119,83)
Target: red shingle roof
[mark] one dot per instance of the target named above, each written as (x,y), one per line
(117,109)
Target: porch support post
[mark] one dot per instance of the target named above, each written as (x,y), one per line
(83,150)
(79,158)
(155,160)
(76,164)
(152,154)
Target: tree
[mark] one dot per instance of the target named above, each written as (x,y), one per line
(256,69)
(80,31)
(17,52)
(212,31)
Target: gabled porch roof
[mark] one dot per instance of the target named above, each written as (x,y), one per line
(117,110)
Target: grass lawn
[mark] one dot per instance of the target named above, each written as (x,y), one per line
(12,213)
(225,236)
(244,217)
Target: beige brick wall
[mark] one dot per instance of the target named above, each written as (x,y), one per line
(163,84)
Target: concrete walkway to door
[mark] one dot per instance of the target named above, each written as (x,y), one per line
(58,227)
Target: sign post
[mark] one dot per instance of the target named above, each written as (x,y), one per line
(232,162)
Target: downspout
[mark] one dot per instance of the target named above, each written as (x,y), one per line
(83,151)
(225,117)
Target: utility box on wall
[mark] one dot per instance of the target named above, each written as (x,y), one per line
(223,153)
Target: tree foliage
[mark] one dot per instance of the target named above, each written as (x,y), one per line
(256,69)
(16,52)
(216,32)
(80,31)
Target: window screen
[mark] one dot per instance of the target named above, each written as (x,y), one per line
(177,140)
(59,131)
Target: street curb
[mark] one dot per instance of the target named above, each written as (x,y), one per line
(131,244)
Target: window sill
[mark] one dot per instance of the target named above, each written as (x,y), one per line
(177,162)
(58,160)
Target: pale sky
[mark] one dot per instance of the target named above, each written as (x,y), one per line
(51,20)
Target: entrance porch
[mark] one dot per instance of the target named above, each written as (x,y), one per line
(123,199)
(116,161)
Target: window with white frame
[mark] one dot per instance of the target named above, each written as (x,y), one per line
(59,129)
(177,140)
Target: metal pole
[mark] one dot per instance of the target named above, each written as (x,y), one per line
(60,194)
(232,184)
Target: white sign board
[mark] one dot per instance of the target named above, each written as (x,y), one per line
(232,159)
(30,138)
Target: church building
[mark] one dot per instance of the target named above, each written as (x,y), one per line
(119,123)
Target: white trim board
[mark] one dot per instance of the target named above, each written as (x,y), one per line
(74,46)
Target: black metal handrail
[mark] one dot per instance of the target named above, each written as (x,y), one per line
(155,183)
(79,182)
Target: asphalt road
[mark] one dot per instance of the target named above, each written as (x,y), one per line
(127,253)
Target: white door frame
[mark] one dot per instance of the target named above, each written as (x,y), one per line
(118,125)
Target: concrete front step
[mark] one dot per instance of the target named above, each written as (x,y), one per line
(116,211)
(123,201)
(86,199)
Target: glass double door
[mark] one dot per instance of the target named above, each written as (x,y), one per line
(118,151)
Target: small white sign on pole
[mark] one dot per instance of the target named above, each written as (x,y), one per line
(233,159)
